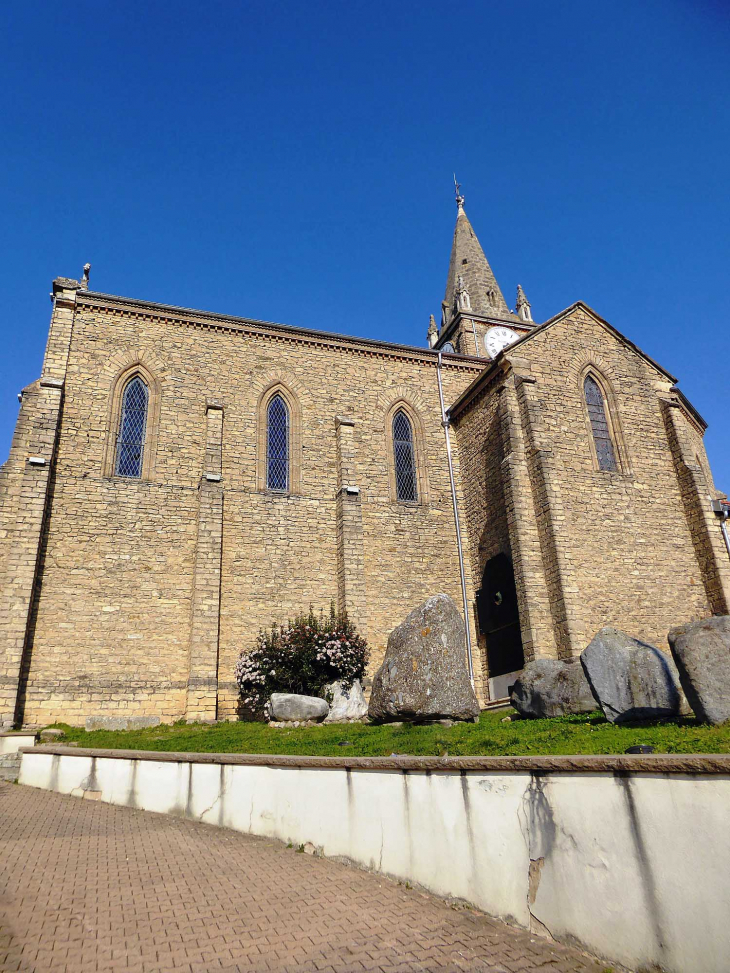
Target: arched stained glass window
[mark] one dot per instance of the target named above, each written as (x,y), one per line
(599,424)
(132,428)
(404,458)
(277,445)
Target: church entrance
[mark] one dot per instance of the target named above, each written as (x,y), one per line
(499,622)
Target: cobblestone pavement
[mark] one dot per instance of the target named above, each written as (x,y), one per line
(88,886)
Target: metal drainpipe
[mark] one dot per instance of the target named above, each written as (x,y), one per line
(445,424)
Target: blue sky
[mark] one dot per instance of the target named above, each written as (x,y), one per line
(292,161)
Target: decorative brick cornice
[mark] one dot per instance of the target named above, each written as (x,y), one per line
(252,328)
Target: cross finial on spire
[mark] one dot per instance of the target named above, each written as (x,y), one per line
(459,197)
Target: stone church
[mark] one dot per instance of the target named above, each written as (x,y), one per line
(179,479)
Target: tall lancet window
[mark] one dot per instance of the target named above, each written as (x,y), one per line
(404,456)
(277,445)
(605,453)
(132,429)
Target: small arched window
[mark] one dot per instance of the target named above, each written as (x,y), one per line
(277,445)
(132,429)
(605,452)
(404,458)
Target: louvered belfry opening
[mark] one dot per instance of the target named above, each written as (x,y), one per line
(277,445)
(599,424)
(405,461)
(132,429)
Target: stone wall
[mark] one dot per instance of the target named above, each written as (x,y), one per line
(633,548)
(136,596)
(27,482)
(130,572)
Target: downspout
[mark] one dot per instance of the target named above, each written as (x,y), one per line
(445,423)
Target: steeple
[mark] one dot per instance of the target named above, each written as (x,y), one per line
(469,271)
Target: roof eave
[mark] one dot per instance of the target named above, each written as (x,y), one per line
(201,317)
(474,387)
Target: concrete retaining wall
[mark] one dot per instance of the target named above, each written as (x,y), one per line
(12,742)
(629,856)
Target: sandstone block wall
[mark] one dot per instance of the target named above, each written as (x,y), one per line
(130,571)
(635,548)
(136,596)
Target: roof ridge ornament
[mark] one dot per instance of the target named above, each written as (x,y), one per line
(459,197)
(84,285)
(523,305)
(433,332)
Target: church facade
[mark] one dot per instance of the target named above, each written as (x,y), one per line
(179,480)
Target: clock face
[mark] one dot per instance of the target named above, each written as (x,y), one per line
(498,338)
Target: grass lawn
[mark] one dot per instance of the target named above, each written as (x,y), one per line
(489,737)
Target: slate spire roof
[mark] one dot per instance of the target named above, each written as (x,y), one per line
(469,263)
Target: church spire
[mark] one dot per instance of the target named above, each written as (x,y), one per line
(469,271)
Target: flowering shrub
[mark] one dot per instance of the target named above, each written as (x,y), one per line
(302,657)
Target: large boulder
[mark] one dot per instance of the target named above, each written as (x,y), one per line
(347,704)
(702,653)
(630,679)
(291,708)
(424,675)
(547,687)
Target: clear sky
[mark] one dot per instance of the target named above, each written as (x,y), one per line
(292,161)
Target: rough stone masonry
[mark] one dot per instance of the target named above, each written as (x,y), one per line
(131,594)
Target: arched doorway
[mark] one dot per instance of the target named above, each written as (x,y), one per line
(499,622)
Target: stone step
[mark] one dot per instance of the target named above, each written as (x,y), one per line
(495,704)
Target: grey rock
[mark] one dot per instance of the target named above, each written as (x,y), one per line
(548,687)
(10,766)
(121,722)
(701,651)
(293,708)
(49,736)
(630,679)
(347,704)
(424,674)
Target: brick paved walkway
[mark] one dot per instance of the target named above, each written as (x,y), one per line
(87,886)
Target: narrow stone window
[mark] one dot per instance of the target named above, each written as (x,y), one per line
(404,457)
(132,429)
(599,424)
(277,445)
